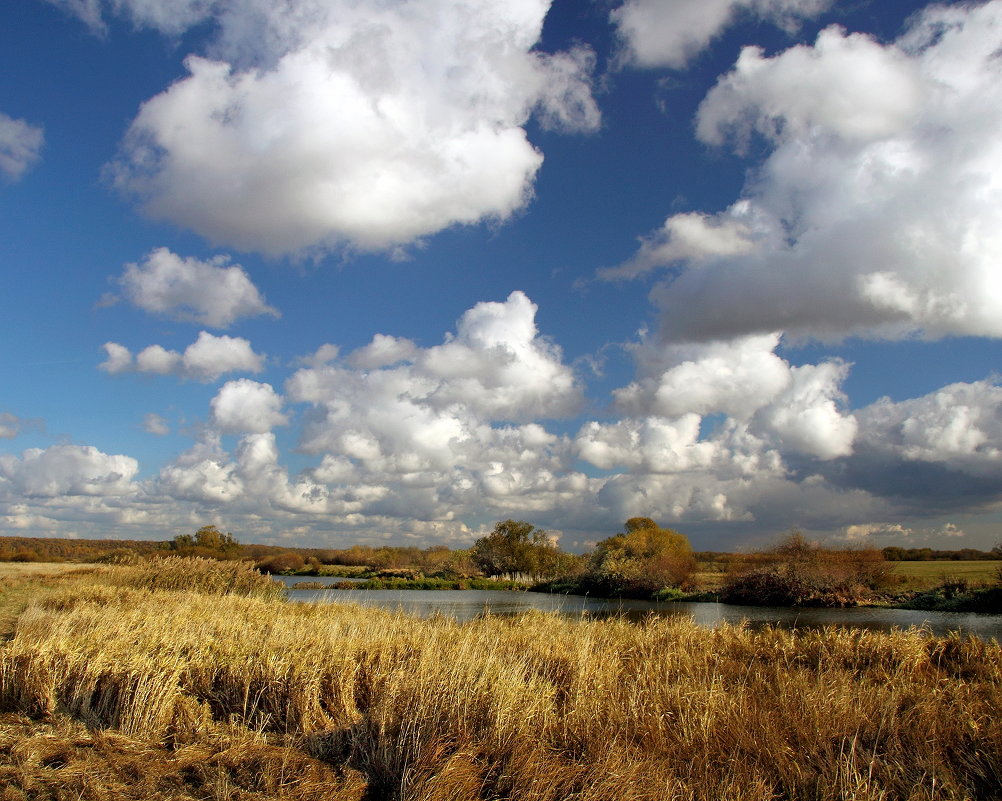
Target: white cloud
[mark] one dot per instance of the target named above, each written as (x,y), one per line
(20,146)
(688,237)
(863,532)
(324,124)
(66,470)
(420,434)
(959,426)
(654,33)
(119,358)
(155,424)
(245,406)
(847,86)
(808,417)
(878,211)
(736,378)
(383,351)
(498,366)
(206,359)
(208,481)
(212,293)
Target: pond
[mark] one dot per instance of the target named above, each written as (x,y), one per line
(468,604)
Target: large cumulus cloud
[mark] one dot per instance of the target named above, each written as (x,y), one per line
(320,124)
(878,210)
(66,470)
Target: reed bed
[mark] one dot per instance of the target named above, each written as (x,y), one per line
(363,704)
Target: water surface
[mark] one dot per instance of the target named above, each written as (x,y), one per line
(464,605)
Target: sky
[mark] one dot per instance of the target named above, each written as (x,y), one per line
(326,272)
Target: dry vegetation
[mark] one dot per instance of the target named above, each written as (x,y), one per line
(198,684)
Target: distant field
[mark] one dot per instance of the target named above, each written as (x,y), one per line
(935,572)
(19,569)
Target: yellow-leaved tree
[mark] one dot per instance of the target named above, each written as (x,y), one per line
(643,559)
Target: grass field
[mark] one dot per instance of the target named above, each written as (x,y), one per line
(10,570)
(189,680)
(922,575)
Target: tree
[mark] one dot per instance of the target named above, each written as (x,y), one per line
(207,541)
(516,548)
(642,560)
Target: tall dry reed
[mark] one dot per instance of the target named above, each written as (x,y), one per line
(537,708)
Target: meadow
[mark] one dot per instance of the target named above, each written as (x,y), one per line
(928,574)
(189,679)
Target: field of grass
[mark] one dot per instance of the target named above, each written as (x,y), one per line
(17,570)
(981,571)
(197,682)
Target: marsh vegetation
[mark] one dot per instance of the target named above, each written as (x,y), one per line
(199,681)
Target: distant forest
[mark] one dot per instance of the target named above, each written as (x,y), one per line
(45,549)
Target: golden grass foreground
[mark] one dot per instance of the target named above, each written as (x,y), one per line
(192,682)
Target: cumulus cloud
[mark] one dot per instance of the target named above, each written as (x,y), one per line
(206,359)
(959,425)
(809,416)
(213,293)
(66,470)
(653,33)
(878,209)
(688,237)
(245,406)
(20,146)
(430,432)
(736,378)
(316,124)
(383,351)
(428,411)
(202,474)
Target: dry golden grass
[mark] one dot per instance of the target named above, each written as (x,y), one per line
(15,570)
(198,695)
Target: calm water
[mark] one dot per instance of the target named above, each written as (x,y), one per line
(468,604)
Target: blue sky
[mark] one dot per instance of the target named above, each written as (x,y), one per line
(327,272)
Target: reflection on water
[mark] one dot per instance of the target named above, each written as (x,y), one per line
(466,605)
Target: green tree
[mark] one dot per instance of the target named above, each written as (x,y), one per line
(516,548)
(642,560)
(207,541)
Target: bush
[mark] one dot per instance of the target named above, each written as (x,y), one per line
(644,559)
(796,572)
(287,562)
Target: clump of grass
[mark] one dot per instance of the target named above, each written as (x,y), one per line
(536,708)
(192,574)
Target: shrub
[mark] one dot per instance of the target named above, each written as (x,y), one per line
(641,561)
(287,562)
(796,572)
